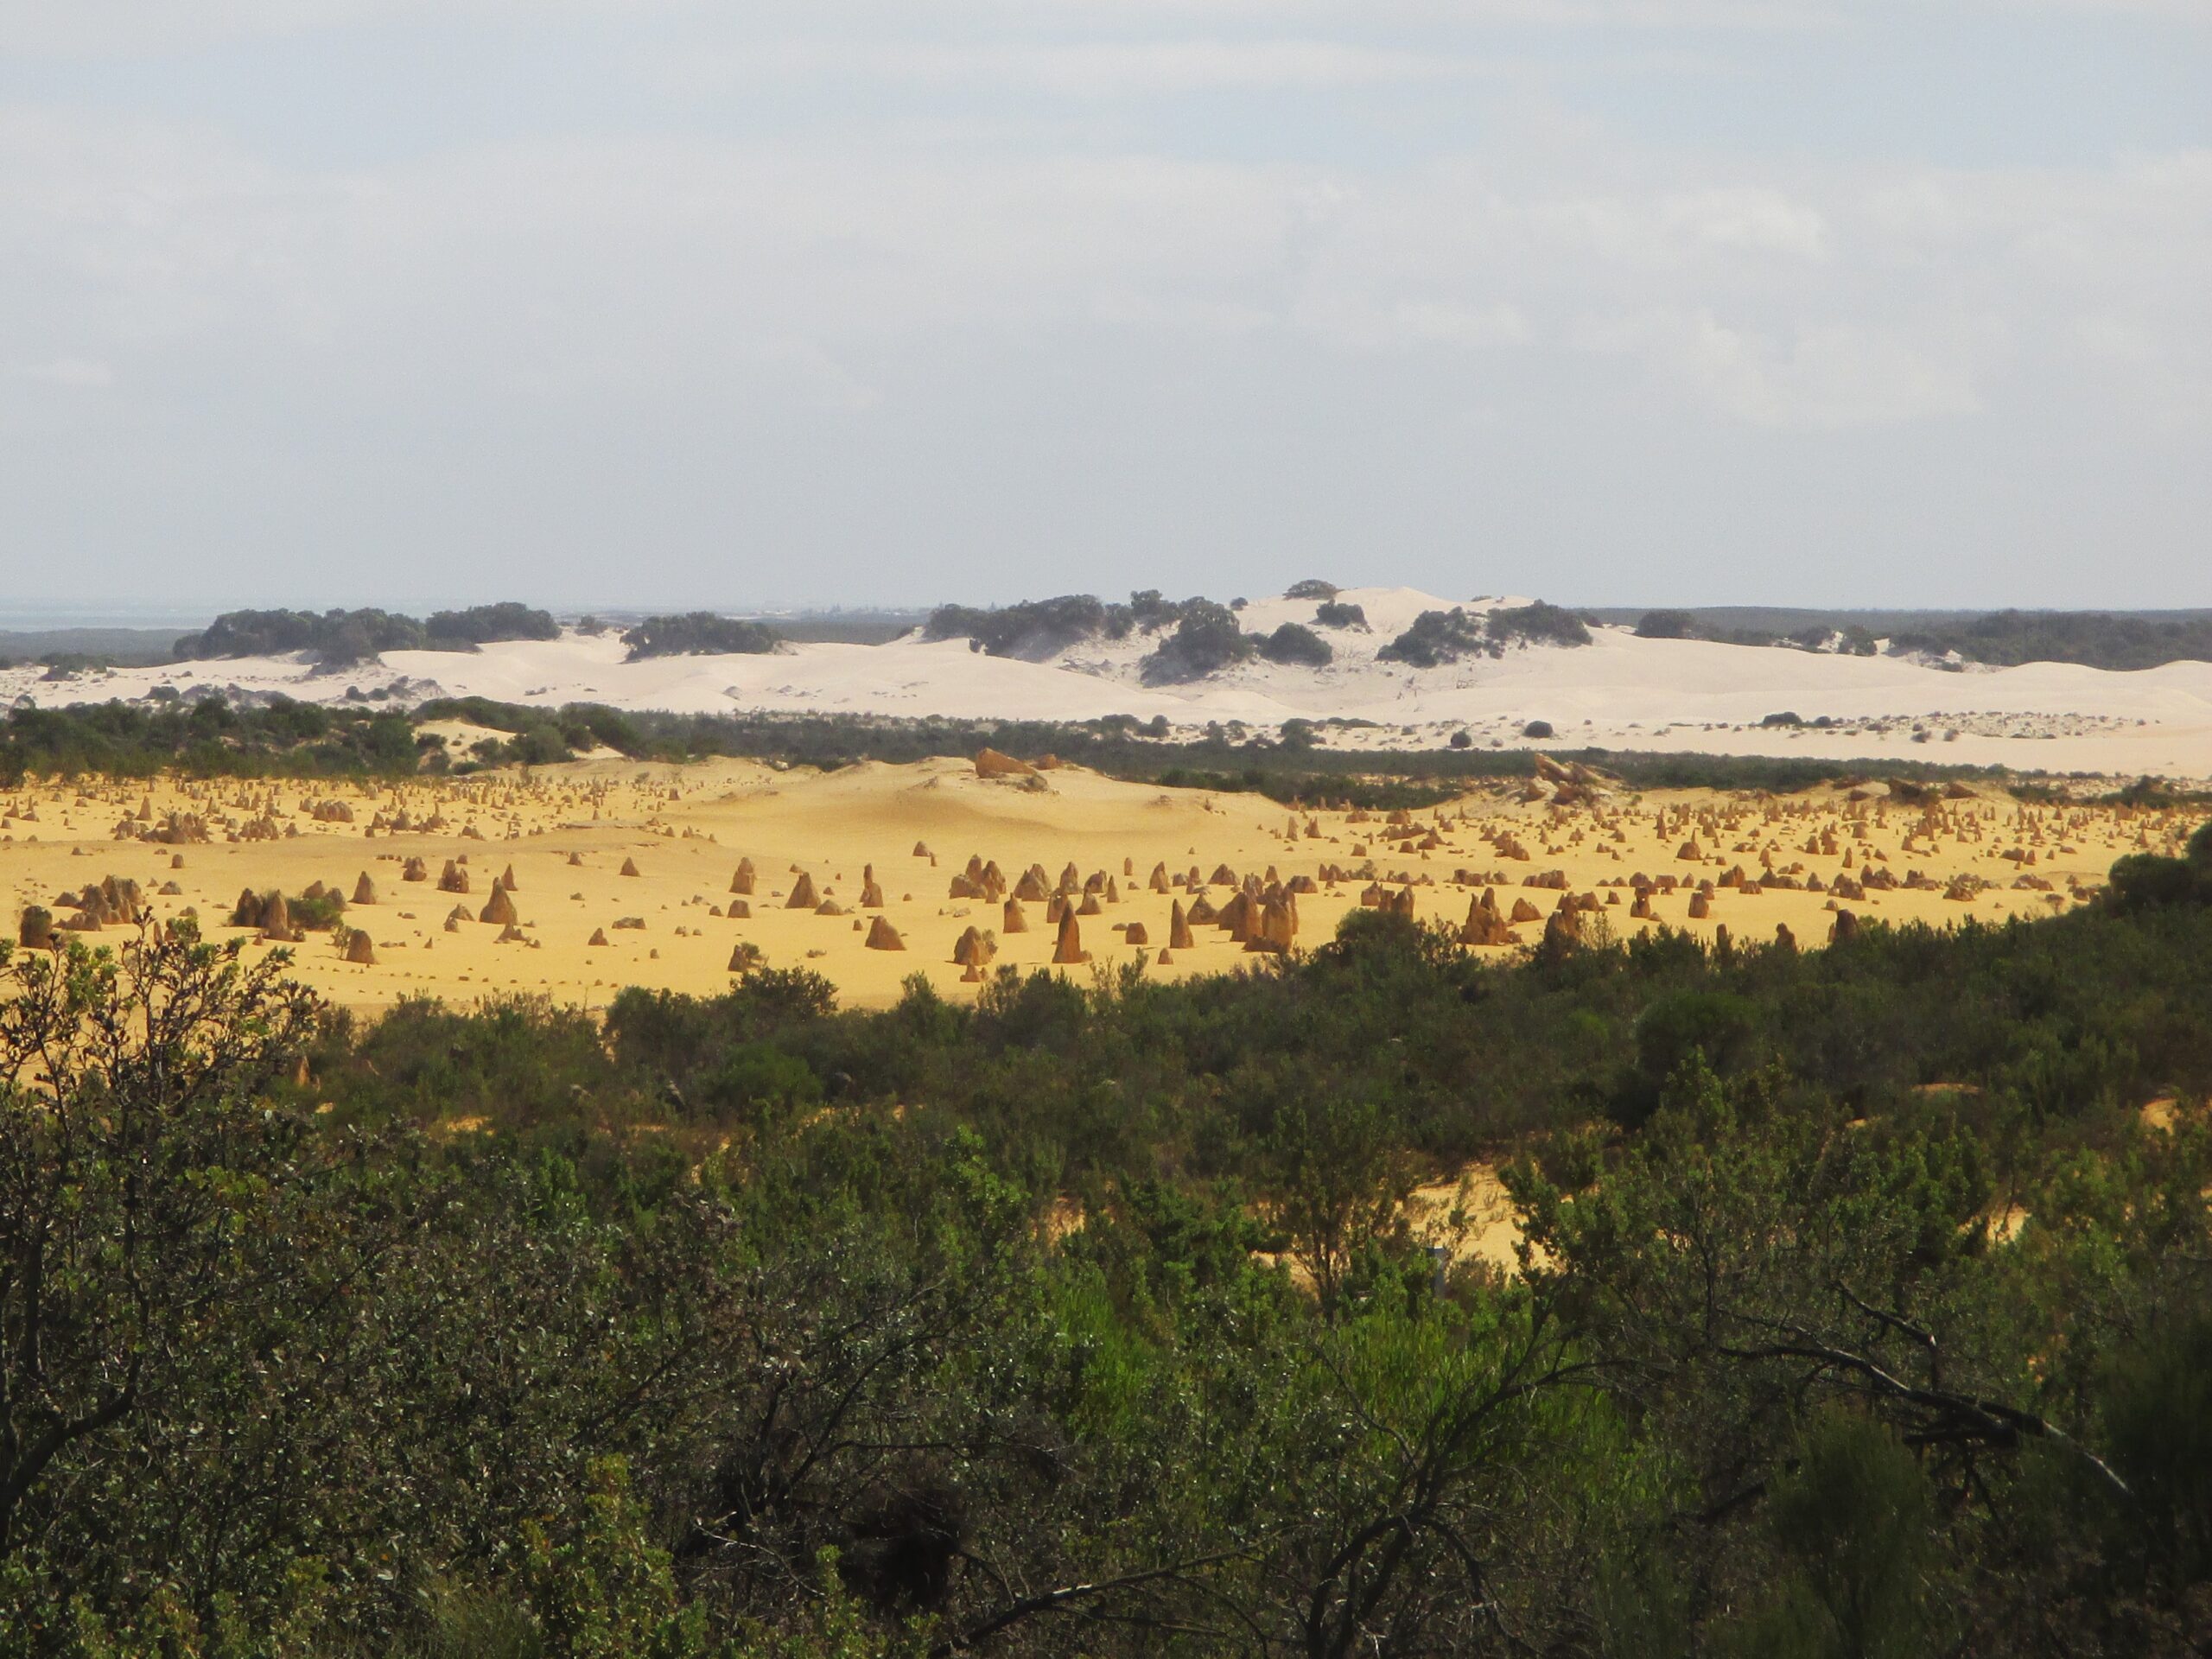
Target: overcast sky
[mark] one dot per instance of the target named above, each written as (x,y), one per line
(636,303)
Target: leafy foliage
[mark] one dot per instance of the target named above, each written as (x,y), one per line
(341,637)
(1437,638)
(1666,625)
(1090,1320)
(482,624)
(2096,638)
(1291,643)
(1207,639)
(699,634)
(1538,624)
(1035,629)
(208,738)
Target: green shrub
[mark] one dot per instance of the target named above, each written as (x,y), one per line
(699,634)
(1437,638)
(1292,644)
(1205,640)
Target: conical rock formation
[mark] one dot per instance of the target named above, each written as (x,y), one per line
(1179,929)
(1068,949)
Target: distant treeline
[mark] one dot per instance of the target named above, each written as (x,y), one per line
(699,632)
(2095,639)
(207,737)
(1290,769)
(1198,636)
(1440,637)
(75,647)
(2106,639)
(339,637)
(1849,639)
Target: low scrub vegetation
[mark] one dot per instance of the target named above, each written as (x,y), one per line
(208,738)
(1538,624)
(339,638)
(1865,1311)
(2095,639)
(1295,645)
(1440,637)
(1207,639)
(698,633)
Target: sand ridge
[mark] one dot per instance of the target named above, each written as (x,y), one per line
(1621,863)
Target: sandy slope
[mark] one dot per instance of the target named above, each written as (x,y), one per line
(685,829)
(1619,693)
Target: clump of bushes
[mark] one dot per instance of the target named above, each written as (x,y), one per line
(1437,638)
(483,625)
(1206,640)
(1036,628)
(1031,629)
(1336,615)
(699,634)
(1666,625)
(317,910)
(1539,624)
(2146,881)
(340,638)
(1292,644)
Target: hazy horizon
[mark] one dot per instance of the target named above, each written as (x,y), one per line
(63,619)
(1814,303)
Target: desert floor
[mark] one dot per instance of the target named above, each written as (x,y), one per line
(566,833)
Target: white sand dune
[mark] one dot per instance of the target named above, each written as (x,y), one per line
(1620,692)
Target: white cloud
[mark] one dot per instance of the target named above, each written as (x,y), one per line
(77,373)
(1083,69)
(678,313)
(1829,377)
(1748,221)
(1818,299)
(141,28)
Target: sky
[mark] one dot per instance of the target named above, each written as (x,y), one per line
(642,303)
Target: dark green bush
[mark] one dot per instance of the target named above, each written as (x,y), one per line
(1207,640)
(1437,638)
(1292,644)
(1538,624)
(699,634)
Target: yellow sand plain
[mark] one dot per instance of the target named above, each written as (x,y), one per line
(567,831)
